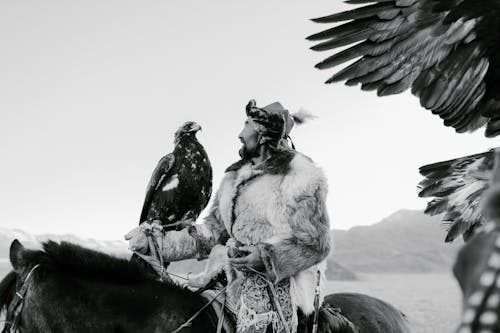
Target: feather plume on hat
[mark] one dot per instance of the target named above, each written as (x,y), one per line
(302,116)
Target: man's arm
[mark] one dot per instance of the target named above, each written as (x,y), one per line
(196,241)
(309,243)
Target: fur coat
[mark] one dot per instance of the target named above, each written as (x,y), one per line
(279,206)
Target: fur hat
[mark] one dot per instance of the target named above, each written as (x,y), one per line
(273,122)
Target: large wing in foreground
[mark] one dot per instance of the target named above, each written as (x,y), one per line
(447,51)
(456,187)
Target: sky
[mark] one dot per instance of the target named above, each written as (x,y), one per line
(91,93)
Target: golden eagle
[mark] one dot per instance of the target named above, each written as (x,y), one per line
(180,187)
(181,184)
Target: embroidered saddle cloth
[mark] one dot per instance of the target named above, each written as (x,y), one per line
(257,312)
(257,309)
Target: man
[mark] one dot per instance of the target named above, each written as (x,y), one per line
(270,211)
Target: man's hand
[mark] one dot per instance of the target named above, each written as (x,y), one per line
(251,260)
(137,237)
(137,240)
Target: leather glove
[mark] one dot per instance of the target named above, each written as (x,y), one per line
(137,237)
(137,240)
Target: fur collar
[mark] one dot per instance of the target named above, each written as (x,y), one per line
(278,164)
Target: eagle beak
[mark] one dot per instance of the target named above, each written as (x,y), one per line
(195,128)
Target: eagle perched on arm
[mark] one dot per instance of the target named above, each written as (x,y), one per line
(447,51)
(181,184)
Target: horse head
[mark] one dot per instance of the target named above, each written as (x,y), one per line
(66,287)
(24,262)
(15,286)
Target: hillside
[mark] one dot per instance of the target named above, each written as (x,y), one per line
(405,242)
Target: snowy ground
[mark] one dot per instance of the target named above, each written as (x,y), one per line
(430,301)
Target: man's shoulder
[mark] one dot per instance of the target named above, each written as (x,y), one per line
(302,162)
(304,177)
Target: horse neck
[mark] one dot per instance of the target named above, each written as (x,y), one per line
(160,305)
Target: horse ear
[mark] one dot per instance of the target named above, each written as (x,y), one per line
(16,255)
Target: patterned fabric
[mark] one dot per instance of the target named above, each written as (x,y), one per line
(257,307)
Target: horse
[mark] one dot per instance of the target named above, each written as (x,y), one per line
(477,270)
(68,288)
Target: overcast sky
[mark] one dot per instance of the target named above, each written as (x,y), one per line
(91,93)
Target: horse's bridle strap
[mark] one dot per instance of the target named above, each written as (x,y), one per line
(15,306)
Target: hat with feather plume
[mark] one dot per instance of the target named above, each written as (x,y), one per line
(274,123)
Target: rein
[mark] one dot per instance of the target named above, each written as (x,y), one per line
(274,298)
(188,322)
(155,260)
(17,303)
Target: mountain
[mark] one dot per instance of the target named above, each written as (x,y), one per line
(335,271)
(119,248)
(116,247)
(408,241)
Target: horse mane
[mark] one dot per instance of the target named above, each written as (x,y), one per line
(69,258)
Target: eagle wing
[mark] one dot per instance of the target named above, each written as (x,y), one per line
(447,51)
(457,187)
(161,171)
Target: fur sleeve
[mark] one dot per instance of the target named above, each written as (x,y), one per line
(197,240)
(309,244)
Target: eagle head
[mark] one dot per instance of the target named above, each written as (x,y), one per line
(188,128)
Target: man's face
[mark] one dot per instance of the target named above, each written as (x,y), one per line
(250,139)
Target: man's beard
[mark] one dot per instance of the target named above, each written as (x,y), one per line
(246,154)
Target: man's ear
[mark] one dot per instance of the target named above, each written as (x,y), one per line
(16,255)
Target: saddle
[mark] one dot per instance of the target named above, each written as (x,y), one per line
(330,319)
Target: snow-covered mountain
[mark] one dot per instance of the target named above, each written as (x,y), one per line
(115,247)
(408,241)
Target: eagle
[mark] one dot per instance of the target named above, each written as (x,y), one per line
(180,187)
(181,184)
(446,51)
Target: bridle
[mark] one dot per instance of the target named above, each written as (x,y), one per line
(155,260)
(16,305)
